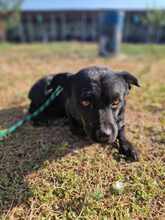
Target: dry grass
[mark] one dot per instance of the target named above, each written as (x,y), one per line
(47,173)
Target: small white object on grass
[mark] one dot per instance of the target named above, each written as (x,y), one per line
(118,187)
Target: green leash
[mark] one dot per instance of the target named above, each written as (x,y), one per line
(4,133)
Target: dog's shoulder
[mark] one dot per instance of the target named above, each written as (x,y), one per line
(47,83)
(39,86)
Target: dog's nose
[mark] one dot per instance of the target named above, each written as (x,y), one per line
(103,136)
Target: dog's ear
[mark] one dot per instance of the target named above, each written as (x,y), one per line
(129,79)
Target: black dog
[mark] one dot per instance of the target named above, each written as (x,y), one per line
(93,100)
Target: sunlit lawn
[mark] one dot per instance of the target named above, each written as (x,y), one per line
(47,173)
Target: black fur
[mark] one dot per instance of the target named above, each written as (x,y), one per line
(96,86)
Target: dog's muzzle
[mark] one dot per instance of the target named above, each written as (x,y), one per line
(106,136)
(107,130)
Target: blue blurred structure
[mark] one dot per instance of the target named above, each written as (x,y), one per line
(111,32)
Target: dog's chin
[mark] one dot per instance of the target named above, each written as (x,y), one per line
(109,141)
(103,140)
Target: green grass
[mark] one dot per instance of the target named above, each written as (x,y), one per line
(48,173)
(82,49)
(144,50)
(63,49)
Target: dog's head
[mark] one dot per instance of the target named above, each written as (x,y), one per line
(98,99)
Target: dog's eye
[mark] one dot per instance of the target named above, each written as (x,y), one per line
(115,103)
(85,103)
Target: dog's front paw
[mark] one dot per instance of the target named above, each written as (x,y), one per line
(128,150)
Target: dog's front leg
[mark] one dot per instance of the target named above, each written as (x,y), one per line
(125,147)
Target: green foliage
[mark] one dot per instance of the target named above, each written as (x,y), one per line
(10,10)
(9,5)
(155,18)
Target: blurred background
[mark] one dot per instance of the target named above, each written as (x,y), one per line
(106,22)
